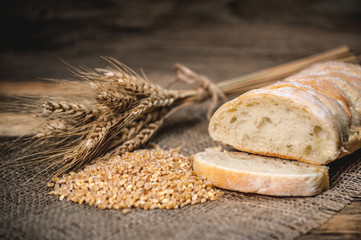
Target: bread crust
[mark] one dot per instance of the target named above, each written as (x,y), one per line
(325,87)
(353,144)
(353,71)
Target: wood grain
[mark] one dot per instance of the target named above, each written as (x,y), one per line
(344,225)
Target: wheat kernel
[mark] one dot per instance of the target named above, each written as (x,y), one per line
(140,184)
(122,182)
(128,189)
(169,191)
(126,211)
(219,193)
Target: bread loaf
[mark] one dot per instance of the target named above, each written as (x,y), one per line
(313,116)
(244,172)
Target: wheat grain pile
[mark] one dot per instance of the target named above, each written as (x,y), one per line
(146,179)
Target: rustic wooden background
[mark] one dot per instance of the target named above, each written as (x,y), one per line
(218,38)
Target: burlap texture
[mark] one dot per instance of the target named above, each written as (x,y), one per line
(28,212)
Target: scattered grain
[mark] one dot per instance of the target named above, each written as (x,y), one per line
(146,179)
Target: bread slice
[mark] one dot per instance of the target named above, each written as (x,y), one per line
(312,117)
(248,173)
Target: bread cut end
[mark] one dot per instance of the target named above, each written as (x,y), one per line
(258,174)
(263,122)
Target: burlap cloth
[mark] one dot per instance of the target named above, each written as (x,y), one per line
(28,212)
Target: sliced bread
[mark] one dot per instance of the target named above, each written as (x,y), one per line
(312,117)
(249,173)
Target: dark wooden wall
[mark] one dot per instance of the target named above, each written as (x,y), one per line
(219,38)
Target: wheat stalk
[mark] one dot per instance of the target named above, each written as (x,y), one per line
(129,109)
(272,74)
(139,139)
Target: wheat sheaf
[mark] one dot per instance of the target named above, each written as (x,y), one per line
(124,114)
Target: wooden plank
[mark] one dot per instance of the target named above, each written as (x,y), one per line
(38,88)
(344,225)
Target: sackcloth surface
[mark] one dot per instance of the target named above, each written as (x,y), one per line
(29,212)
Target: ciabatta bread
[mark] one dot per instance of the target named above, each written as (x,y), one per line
(312,117)
(257,174)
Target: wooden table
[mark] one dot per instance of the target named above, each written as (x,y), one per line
(220,39)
